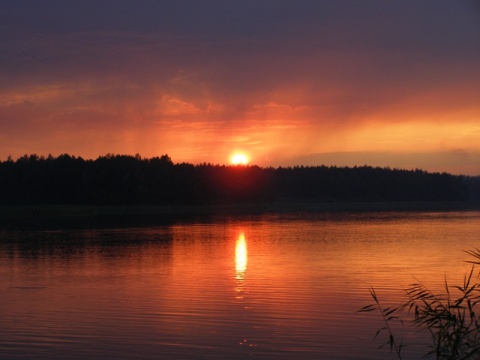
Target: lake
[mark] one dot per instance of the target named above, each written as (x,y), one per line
(276,286)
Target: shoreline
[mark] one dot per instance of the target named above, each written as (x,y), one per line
(65,210)
(74,217)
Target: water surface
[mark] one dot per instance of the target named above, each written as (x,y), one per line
(270,287)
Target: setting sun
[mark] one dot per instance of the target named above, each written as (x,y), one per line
(239,159)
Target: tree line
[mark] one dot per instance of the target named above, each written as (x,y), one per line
(133,180)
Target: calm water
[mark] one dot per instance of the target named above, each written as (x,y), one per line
(268,287)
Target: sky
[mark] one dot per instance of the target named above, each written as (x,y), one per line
(305,82)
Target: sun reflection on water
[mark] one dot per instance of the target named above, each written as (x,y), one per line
(241,255)
(241,258)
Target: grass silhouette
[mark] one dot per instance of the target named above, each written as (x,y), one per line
(451,319)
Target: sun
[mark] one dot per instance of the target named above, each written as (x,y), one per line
(239,159)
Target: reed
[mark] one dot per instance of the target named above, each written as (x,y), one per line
(452,319)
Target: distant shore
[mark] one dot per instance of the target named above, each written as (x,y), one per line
(61,210)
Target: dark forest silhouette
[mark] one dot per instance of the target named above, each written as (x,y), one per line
(133,180)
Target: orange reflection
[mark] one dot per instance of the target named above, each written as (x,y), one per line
(241,256)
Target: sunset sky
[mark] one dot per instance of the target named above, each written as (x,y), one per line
(305,82)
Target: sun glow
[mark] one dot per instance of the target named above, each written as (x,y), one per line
(239,159)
